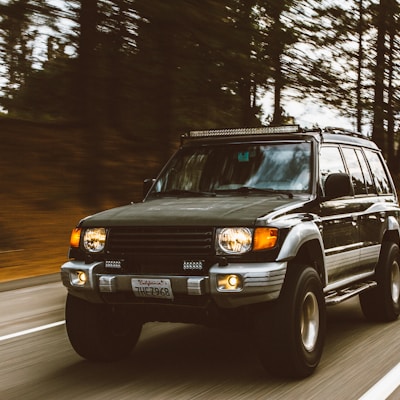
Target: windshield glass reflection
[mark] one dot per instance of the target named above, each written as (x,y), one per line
(243,168)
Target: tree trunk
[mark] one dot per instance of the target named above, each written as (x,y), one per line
(276,52)
(277,118)
(87,61)
(89,104)
(378,130)
(245,81)
(391,97)
(360,58)
(164,99)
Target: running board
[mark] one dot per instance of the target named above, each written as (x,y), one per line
(337,296)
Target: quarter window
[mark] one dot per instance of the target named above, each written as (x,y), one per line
(379,174)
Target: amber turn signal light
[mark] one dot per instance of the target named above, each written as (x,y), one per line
(265,238)
(75,237)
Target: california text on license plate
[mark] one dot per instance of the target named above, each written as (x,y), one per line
(156,288)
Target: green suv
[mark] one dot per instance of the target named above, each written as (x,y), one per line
(258,229)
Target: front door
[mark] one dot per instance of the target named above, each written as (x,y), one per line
(340,225)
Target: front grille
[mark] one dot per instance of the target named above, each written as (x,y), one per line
(160,240)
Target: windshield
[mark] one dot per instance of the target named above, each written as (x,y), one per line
(245,167)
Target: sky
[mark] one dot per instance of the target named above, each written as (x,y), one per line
(309,114)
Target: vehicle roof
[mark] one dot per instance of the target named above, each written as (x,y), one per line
(346,139)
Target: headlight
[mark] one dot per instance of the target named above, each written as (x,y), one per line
(94,239)
(242,240)
(234,240)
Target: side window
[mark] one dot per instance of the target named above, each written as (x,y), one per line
(366,172)
(330,162)
(356,173)
(380,177)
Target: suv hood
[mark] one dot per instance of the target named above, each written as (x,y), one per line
(216,211)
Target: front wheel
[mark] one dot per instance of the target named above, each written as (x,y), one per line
(383,302)
(291,334)
(100,332)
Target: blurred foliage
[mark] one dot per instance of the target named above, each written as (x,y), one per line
(152,69)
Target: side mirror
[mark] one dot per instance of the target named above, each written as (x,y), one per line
(147,184)
(338,185)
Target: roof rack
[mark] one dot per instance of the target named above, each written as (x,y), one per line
(263,130)
(341,131)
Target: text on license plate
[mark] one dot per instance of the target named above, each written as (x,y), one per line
(156,288)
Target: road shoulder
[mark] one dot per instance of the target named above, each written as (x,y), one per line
(27,282)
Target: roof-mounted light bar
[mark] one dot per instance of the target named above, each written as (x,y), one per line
(264,130)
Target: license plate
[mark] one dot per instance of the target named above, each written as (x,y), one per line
(154,288)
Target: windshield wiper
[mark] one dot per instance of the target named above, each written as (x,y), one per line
(182,192)
(249,189)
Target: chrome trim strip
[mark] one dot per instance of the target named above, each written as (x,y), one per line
(342,249)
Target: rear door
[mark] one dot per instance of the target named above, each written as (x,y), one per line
(377,206)
(368,216)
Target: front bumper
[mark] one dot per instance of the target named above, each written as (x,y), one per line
(260,282)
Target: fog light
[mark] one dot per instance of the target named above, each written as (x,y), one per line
(230,282)
(233,281)
(78,278)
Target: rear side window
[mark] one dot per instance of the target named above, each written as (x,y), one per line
(366,172)
(355,170)
(380,177)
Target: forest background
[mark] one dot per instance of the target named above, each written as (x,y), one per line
(94,95)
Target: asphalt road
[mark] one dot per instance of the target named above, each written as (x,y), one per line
(177,361)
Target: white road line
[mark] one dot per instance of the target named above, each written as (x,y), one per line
(385,387)
(32,330)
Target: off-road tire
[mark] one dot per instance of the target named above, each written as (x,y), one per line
(100,332)
(291,334)
(382,303)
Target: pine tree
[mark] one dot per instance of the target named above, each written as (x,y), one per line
(17,48)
